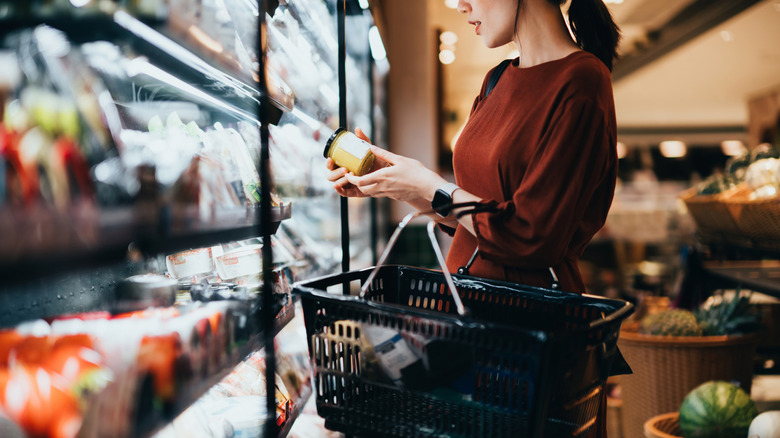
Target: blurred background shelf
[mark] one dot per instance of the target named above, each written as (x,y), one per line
(44,244)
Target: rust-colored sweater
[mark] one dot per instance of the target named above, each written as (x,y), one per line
(542,148)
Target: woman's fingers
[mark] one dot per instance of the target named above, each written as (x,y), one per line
(361,135)
(336,174)
(386,156)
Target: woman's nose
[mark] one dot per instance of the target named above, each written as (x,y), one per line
(463,6)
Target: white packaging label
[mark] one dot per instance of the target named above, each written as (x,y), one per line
(189,263)
(354,145)
(239,263)
(390,349)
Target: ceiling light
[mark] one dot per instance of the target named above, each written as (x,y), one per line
(621,150)
(363,4)
(727,36)
(446,56)
(614,2)
(732,147)
(452,4)
(673,149)
(448,37)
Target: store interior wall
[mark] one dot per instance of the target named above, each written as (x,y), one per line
(411,85)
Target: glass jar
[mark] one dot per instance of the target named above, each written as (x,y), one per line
(349,151)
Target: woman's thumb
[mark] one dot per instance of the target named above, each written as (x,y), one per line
(361,135)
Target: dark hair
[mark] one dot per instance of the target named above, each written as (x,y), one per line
(593,27)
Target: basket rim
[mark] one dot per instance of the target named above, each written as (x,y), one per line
(621,310)
(686,341)
(650,424)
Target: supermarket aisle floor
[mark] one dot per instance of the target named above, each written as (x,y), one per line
(311,425)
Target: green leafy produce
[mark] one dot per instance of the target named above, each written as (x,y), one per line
(671,322)
(716,409)
(716,184)
(765,150)
(737,165)
(728,317)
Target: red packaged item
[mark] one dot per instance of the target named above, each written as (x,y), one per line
(159,355)
(39,402)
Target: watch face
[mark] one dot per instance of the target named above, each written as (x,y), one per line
(441,203)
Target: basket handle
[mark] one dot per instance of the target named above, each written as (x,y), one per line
(462,311)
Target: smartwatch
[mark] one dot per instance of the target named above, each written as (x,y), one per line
(442,199)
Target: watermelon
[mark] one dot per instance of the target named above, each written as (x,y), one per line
(716,409)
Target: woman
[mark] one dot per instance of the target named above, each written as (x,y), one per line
(540,149)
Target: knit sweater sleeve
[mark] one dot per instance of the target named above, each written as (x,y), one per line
(561,182)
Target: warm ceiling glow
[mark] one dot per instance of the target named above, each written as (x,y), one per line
(448,37)
(673,149)
(614,2)
(727,36)
(732,147)
(452,4)
(447,56)
(621,150)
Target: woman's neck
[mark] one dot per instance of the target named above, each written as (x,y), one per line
(542,35)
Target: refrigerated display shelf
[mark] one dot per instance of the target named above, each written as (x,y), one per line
(43,244)
(236,91)
(190,394)
(296,411)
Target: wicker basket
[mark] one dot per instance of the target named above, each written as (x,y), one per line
(756,217)
(663,426)
(667,368)
(710,212)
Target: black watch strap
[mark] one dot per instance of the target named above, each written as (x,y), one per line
(442,199)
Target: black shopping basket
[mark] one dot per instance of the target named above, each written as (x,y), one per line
(499,359)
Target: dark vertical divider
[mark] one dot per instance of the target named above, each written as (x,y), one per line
(373,201)
(341,13)
(266,311)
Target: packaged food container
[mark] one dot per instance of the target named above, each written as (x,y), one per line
(350,152)
(239,262)
(189,263)
(143,291)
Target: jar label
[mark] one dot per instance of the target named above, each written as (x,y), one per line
(354,146)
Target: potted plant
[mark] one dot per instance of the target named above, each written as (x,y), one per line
(675,350)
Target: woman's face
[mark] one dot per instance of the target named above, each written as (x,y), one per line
(494,20)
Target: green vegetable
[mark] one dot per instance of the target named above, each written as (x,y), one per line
(671,322)
(716,409)
(728,317)
(736,166)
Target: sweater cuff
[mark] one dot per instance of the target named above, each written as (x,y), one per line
(450,231)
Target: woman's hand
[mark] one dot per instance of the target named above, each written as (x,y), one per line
(401,178)
(336,174)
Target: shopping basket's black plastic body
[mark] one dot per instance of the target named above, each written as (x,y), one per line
(538,359)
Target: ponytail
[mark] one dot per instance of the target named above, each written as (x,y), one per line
(594,29)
